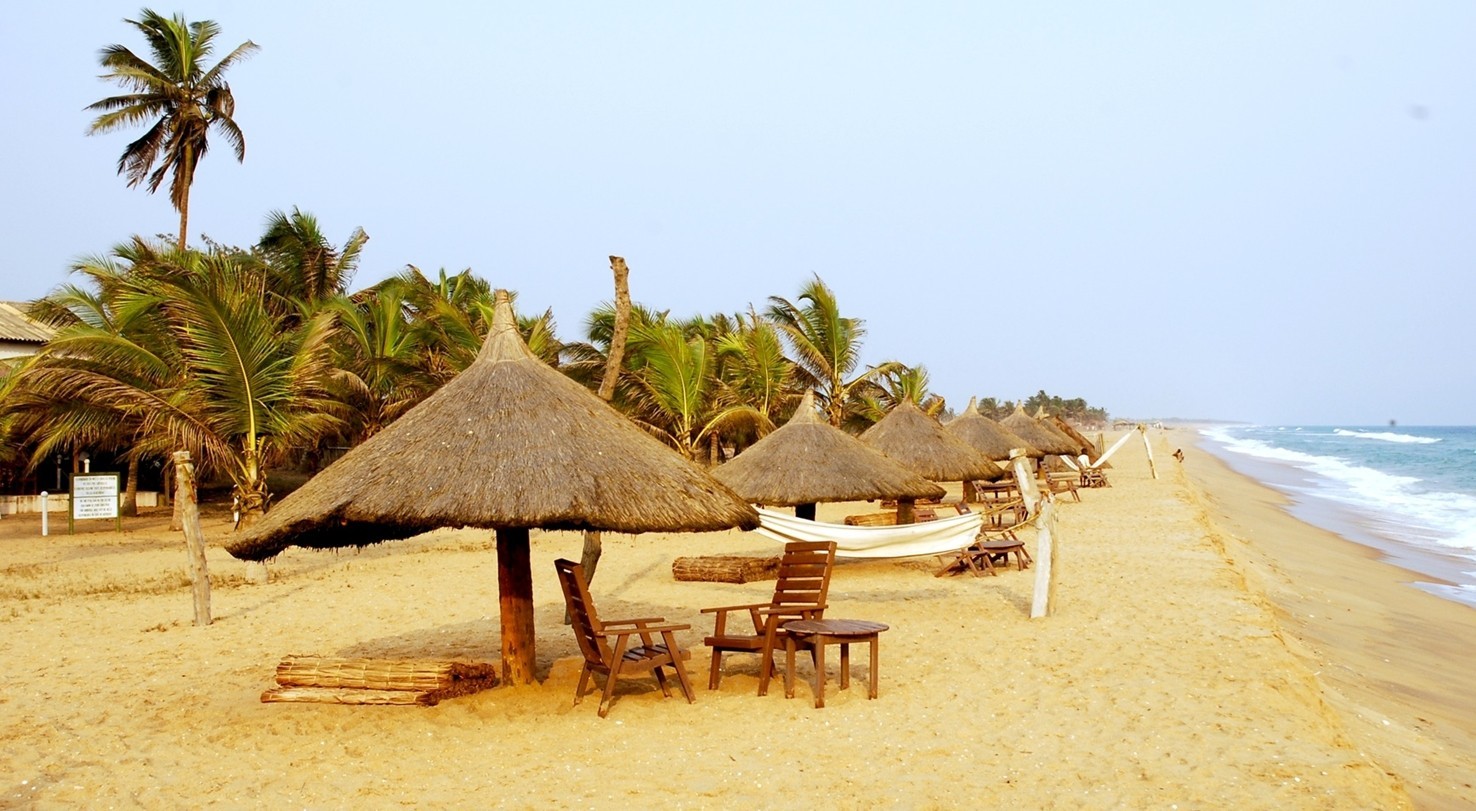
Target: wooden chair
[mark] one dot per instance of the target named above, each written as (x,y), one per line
(979,557)
(804,580)
(599,656)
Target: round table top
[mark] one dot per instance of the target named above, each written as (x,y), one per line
(835,627)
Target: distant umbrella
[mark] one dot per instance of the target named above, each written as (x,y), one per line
(1031,430)
(920,442)
(809,461)
(987,436)
(509,444)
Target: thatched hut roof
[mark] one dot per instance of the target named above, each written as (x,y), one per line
(1080,444)
(1087,446)
(809,461)
(1037,434)
(987,436)
(508,443)
(919,442)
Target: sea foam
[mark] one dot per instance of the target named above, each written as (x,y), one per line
(1386,436)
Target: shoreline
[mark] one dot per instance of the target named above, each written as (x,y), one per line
(1446,573)
(1393,658)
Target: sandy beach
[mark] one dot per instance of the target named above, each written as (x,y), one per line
(1207,652)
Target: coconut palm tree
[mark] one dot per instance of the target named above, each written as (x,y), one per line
(193,358)
(826,346)
(178,97)
(306,269)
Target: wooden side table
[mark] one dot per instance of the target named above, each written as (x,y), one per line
(830,632)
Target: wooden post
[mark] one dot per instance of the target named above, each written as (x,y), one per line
(1025,480)
(906,511)
(1046,544)
(515,600)
(1149,448)
(805,511)
(185,498)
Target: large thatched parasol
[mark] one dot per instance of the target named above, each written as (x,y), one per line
(1087,446)
(987,436)
(807,461)
(509,444)
(1078,444)
(1033,431)
(919,442)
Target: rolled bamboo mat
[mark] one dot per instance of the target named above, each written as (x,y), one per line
(321,679)
(725,568)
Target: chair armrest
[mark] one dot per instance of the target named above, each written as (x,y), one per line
(646,629)
(748,607)
(636,621)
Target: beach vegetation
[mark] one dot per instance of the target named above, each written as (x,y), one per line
(826,349)
(177,97)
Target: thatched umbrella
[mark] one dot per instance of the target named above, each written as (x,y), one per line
(1078,444)
(1087,446)
(509,444)
(808,460)
(1033,431)
(919,442)
(987,436)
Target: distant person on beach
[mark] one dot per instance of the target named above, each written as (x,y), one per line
(1179,454)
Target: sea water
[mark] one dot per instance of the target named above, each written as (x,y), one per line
(1408,492)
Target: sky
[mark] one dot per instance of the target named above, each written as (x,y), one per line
(1219,210)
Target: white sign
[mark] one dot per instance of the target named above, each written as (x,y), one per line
(95,496)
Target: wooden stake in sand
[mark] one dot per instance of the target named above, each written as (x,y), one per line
(1143,429)
(1045,562)
(1029,493)
(185,497)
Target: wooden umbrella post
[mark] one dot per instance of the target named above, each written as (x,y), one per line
(1147,446)
(189,511)
(515,600)
(1046,544)
(1029,493)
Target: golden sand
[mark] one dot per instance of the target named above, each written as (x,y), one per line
(1168,677)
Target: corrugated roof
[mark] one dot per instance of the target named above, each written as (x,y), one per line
(15,326)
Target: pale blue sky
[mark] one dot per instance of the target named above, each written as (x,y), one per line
(1255,211)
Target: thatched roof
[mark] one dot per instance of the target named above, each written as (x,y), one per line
(1079,444)
(1087,446)
(809,461)
(987,436)
(1037,434)
(919,442)
(510,443)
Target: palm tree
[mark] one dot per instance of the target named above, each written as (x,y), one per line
(826,346)
(200,362)
(306,269)
(178,97)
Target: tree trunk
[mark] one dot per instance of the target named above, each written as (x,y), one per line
(184,471)
(184,202)
(590,558)
(129,507)
(515,601)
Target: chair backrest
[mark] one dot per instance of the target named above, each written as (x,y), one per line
(804,577)
(585,621)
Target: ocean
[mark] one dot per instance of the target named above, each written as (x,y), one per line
(1409,492)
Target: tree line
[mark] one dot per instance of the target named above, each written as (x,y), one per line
(258,357)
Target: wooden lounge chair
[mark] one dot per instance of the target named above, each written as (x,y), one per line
(1062,483)
(804,580)
(622,658)
(989,546)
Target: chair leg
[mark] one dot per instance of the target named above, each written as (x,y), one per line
(583,683)
(612,677)
(716,672)
(679,666)
(661,681)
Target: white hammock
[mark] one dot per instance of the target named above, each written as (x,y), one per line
(897,541)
